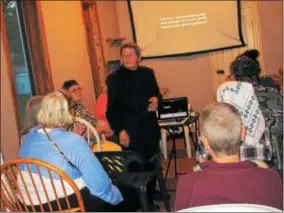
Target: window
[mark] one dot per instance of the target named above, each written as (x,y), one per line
(19,55)
(29,58)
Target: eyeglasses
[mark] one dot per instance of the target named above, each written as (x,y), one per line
(128,55)
(75,90)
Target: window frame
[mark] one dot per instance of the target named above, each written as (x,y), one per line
(10,72)
(26,48)
(34,62)
(37,46)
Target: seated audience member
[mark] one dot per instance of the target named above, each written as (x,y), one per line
(101,109)
(74,91)
(245,69)
(256,144)
(32,108)
(51,142)
(260,107)
(225,179)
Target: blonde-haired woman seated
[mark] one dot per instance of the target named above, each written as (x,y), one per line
(51,142)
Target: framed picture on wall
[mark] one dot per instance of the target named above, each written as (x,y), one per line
(112,66)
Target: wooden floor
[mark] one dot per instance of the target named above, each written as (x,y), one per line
(184,165)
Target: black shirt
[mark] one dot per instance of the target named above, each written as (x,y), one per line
(128,100)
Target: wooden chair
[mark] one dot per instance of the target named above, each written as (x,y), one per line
(27,192)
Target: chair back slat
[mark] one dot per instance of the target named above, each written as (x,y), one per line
(28,186)
(25,187)
(15,185)
(9,193)
(34,186)
(5,188)
(2,206)
(65,194)
(44,187)
(54,190)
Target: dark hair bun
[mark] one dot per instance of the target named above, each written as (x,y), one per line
(253,54)
(245,66)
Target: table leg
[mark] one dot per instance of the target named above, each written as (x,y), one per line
(196,133)
(175,156)
(169,163)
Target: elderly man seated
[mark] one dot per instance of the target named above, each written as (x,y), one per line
(225,179)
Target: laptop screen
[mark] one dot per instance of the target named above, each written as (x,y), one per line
(173,108)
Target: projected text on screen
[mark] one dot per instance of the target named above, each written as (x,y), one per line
(183,21)
(170,28)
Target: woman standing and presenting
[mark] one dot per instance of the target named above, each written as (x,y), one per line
(133,96)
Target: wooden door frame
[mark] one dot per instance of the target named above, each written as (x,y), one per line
(99,76)
(255,10)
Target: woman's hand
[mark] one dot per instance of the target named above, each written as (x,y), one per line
(124,139)
(153,104)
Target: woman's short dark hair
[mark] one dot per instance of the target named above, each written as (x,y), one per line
(246,67)
(67,84)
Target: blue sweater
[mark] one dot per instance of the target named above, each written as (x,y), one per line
(36,145)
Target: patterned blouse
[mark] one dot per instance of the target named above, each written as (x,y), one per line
(257,143)
(80,111)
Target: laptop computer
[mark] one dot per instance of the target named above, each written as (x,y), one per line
(173,109)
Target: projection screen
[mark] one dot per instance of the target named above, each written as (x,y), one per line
(174,28)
